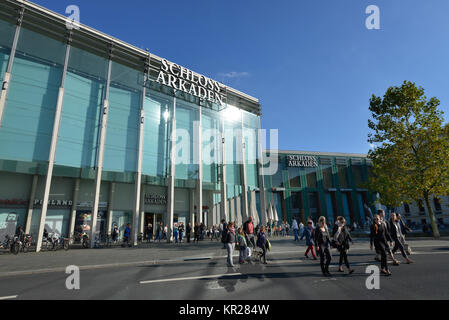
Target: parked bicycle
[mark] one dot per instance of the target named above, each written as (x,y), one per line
(26,244)
(11,244)
(61,243)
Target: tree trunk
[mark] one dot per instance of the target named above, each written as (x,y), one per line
(436,232)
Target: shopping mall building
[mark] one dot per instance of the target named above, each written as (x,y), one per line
(96,132)
(320,184)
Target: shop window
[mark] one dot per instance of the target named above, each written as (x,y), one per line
(357,173)
(342,176)
(314,207)
(311,177)
(276,180)
(327,176)
(294,178)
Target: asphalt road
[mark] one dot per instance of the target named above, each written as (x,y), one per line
(199,272)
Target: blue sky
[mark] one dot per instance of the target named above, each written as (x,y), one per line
(312,64)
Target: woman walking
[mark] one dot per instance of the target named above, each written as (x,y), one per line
(242,246)
(230,243)
(377,237)
(322,243)
(262,243)
(307,232)
(397,236)
(342,237)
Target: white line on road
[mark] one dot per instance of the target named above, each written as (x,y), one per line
(433,252)
(191,278)
(8,297)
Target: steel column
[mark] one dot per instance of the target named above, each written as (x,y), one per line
(54,142)
(31,204)
(7,75)
(76,190)
(199,184)
(104,120)
(138,182)
(223,203)
(171,177)
(243,174)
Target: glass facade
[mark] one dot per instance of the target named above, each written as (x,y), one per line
(28,120)
(332,187)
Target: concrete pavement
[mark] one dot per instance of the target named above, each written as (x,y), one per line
(199,272)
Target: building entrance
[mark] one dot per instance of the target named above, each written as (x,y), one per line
(152,219)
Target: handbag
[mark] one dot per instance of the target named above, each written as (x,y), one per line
(248,252)
(268,245)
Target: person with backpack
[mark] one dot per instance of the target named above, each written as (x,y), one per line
(341,238)
(230,242)
(262,243)
(308,233)
(322,244)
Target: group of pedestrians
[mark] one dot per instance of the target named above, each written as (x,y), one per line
(247,238)
(383,234)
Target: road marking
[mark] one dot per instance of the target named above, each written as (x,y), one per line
(419,253)
(192,278)
(199,258)
(324,280)
(8,297)
(287,261)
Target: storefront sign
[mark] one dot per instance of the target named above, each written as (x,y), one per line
(55,203)
(89,204)
(183,79)
(13,202)
(301,161)
(155,199)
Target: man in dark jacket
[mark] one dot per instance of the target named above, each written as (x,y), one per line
(180,231)
(224,233)
(262,243)
(159,232)
(188,231)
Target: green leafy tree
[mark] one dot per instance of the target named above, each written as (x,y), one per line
(411,154)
